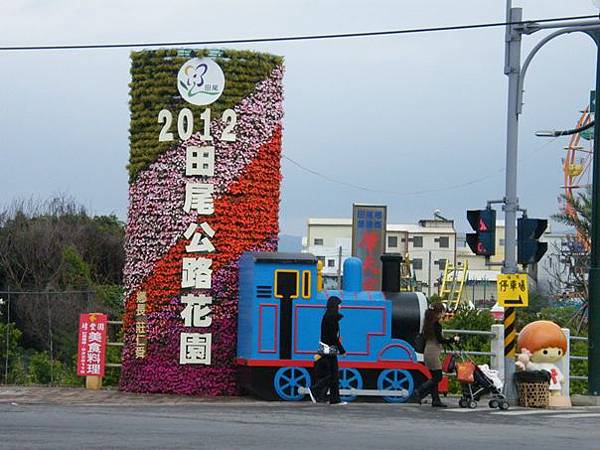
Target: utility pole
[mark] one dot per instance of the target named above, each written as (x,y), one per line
(484,290)
(7,337)
(512,68)
(339,268)
(429,277)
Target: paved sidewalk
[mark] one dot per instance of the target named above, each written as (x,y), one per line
(81,396)
(45,395)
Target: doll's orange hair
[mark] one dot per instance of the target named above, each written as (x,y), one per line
(542,334)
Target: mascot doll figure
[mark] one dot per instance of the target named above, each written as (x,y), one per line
(543,345)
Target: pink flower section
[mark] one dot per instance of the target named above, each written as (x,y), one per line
(156,219)
(161,372)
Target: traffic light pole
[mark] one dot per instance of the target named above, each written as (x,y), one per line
(594,278)
(512,68)
(516,74)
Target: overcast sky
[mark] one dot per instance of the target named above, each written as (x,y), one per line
(398,114)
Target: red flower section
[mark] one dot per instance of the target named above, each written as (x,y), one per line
(245,219)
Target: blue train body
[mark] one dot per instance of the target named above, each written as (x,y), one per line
(280,311)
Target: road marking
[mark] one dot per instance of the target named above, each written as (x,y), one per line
(527,412)
(461,410)
(575,416)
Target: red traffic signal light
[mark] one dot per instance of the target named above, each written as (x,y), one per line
(483,241)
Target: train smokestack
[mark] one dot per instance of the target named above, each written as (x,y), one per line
(390,272)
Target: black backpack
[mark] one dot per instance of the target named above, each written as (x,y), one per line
(419,343)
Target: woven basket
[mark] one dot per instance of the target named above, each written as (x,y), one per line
(533,395)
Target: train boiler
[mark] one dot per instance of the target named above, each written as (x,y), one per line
(280,310)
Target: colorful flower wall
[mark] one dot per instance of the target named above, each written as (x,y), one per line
(246,184)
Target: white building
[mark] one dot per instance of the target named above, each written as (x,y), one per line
(429,244)
(552,270)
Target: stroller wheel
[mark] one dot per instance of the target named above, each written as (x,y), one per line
(462,403)
(494,403)
(472,404)
(504,405)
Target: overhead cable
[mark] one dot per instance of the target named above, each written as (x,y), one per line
(286,38)
(418,192)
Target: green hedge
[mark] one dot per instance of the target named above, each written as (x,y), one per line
(154,87)
(470,319)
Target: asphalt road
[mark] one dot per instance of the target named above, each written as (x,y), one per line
(258,425)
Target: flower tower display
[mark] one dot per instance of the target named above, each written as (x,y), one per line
(204,167)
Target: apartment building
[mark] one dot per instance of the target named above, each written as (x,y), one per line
(429,243)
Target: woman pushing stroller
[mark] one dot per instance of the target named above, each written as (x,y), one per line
(434,342)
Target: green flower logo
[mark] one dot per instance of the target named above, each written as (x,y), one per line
(200,81)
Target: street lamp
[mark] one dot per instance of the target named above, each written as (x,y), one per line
(557,133)
(516,75)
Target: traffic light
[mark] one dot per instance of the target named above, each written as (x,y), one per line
(529,250)
(483,241)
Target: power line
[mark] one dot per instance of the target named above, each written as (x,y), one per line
(289,38)
(378,191)
(420,192)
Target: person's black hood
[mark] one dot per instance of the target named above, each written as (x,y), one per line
(332,306)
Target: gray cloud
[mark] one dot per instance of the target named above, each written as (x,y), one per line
(402,114)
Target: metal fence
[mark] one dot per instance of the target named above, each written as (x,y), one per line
(47,322)
(39,340)
(578,358)
(496,353)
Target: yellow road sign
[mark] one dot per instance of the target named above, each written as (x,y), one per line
(513,290)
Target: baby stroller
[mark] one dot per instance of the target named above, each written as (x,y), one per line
(476,381)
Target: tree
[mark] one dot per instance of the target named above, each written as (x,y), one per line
(570,273)
(577,213)
(56,246)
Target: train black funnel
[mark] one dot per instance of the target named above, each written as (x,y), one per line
(408,313)
(390,272)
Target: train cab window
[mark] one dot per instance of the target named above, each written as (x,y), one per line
(306,284)
(287,283)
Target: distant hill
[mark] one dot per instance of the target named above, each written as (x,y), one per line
(289,243)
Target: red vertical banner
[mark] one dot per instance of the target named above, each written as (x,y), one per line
(91,356)
(368,241)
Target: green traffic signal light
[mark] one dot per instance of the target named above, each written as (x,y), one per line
(529,249)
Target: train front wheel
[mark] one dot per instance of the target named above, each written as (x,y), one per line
(288,380)
(396,380)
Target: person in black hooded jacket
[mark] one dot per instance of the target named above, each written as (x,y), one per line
(326,365)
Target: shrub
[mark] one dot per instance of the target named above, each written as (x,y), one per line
(42,370)
(14,335)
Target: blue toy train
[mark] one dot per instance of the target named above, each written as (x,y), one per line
(280,310)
